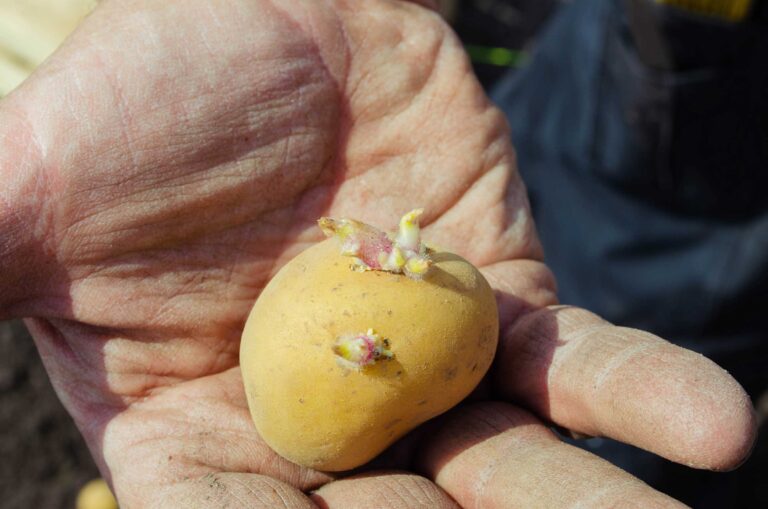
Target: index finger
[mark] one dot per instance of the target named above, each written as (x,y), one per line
(585,374)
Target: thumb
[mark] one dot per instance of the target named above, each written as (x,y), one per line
(24,263)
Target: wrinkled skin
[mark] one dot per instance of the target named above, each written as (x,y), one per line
(165,163)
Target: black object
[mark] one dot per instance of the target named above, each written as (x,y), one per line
(500,23)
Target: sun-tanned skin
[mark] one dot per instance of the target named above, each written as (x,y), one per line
(163,165)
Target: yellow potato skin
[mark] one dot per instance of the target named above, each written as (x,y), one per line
(442,330)
(96,495)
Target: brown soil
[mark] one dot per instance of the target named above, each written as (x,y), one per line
(44,459)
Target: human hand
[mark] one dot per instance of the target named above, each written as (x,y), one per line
(165,163)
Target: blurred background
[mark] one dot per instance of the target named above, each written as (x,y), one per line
(30,30)
(45,462)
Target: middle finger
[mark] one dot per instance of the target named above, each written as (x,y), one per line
(494,455)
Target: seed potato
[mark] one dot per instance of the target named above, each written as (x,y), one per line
(339,362)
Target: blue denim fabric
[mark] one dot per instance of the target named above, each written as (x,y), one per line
(649,187)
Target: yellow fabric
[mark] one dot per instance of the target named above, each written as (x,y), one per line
(730,10)
(30,30)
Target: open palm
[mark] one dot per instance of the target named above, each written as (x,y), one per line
(172,156)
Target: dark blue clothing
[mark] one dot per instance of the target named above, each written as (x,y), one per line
(649,186)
